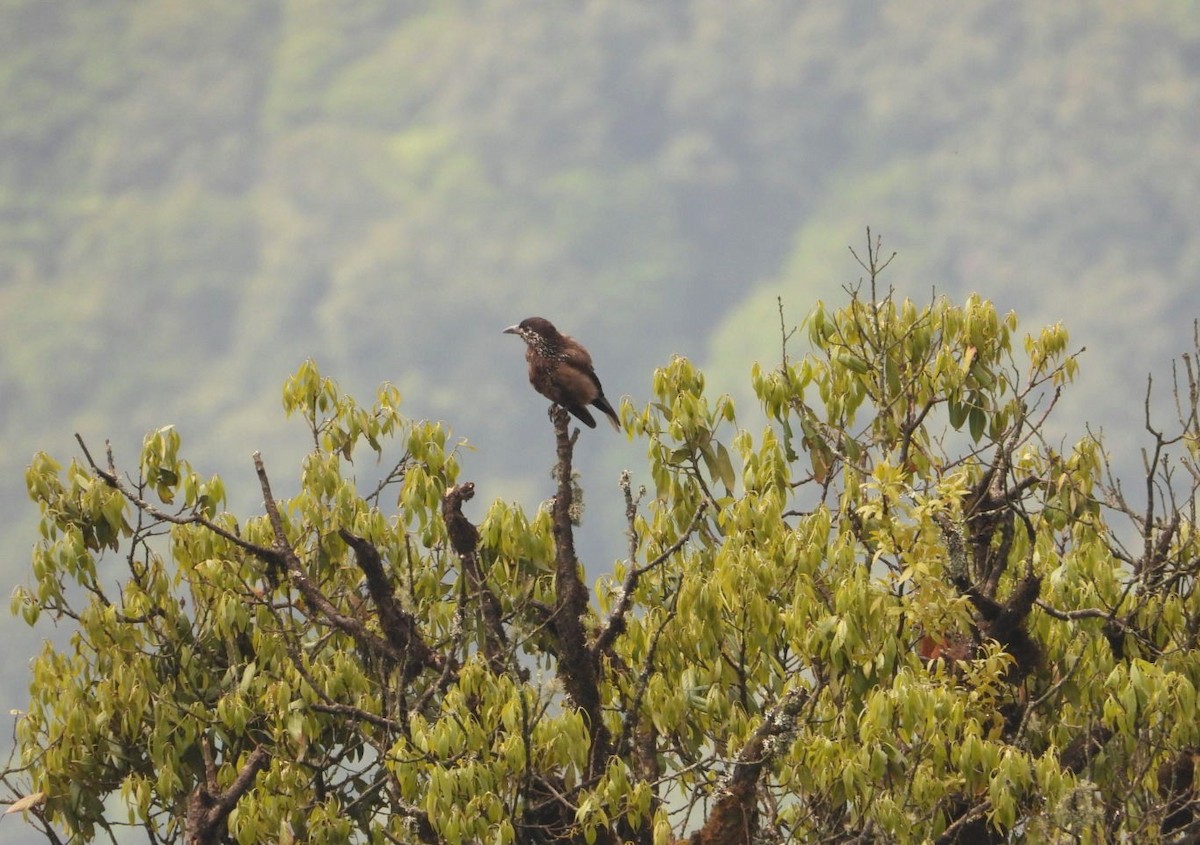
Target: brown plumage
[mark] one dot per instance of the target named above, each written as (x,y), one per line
(561,370)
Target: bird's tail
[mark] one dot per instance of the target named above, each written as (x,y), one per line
(603,405)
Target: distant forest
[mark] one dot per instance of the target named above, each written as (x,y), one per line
(194,197)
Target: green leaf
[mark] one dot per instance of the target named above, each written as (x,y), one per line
(957,411)
(724,468)
(978,422)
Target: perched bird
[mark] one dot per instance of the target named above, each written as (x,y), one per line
(561,370)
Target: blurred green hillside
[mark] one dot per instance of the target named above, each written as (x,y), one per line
(196,196)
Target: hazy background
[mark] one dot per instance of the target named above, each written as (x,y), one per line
(196,196)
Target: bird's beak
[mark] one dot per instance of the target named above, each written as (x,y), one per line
(512,330)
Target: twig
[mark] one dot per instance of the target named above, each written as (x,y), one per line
(286,555)
(111,478)
(615,623)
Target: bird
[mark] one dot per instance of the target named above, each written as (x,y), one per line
(561,370)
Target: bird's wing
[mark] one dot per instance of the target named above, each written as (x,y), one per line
(578,359)
(573,352)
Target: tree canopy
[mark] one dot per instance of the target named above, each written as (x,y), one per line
(196,197)
(897,613)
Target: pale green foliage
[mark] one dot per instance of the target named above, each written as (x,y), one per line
(833,554)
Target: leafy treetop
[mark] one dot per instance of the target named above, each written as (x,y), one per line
(895,614)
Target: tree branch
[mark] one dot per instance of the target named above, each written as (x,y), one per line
(208,809)
(284,553)
(615,624)
(464,539)
(576,662)
(113,480)
(398,625)
(969,817)
(734,816)
(281,555)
